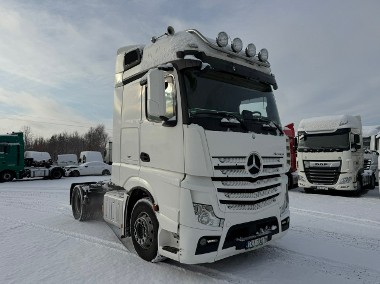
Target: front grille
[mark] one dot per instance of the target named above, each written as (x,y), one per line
(325,176)
(367,164)
(238,190)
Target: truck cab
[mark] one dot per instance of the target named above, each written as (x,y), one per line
(199,155)
(330,154)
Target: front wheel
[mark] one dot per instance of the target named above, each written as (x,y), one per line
(106,173)
(372,183)
(144,229)
(6,176)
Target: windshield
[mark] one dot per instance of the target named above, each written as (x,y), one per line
(212,96)
(366,142)
(339,140)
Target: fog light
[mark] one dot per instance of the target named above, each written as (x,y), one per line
(222,39)
(263,55)
(237,45)
(250,50)
(203,242)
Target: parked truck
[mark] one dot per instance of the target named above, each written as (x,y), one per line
(13,164)
(199,155)
(90,156)
(330,154)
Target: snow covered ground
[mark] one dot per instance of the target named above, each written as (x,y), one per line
(332,239)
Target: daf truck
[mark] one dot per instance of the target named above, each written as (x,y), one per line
(199,155)
(330,154)
(13,164)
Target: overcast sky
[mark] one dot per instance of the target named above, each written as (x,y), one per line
(57,58)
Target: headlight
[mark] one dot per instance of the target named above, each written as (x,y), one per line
(345,180)
(206,216)
(285,205)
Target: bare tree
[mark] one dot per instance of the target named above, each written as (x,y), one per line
(28,137)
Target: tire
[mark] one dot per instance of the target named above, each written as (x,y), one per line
(6,176)
(81,211)
(308,190)
(144,230)
(56,174)
(106,173)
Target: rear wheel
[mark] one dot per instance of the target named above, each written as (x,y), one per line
(55,174)
(144,229)
(81,211)
(6,176)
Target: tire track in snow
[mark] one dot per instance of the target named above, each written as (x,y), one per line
(337,217)
(322,265)
(345,240)
(216,275)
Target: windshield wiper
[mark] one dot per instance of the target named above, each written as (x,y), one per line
(266,120)
(222,114)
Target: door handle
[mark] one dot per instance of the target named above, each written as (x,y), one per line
(144,157)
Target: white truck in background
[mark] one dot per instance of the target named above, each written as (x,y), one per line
(199,155)
(371,144)
(90,156)
(67,160)
(330,154)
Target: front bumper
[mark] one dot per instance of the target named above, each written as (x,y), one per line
(352,185)
(201,246)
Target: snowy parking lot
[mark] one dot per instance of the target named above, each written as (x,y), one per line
(332,239)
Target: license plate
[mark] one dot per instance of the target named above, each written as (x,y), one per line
(322,187)
(256,242)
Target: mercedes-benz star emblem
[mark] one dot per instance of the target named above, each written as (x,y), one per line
(254,164)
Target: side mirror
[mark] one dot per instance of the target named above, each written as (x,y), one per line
(156,104)
(356,138)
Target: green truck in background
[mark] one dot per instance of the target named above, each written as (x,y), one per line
(14,166)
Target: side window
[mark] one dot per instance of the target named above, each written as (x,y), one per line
(170,98)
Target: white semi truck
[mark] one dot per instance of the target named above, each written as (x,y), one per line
(330,154)
(199,156)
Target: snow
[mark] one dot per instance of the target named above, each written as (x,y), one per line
(333,238)
(329,123)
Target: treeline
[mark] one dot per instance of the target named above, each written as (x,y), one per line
(95,139)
